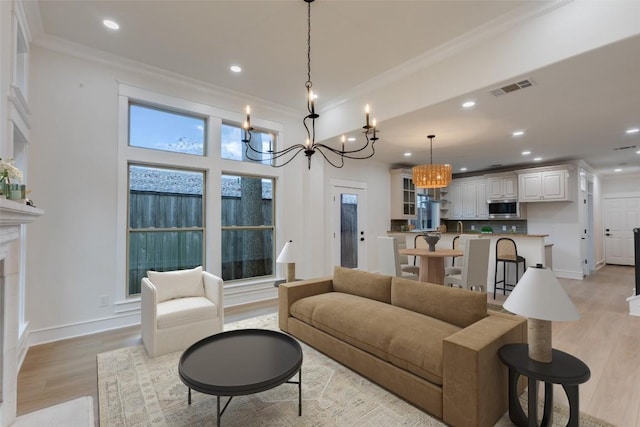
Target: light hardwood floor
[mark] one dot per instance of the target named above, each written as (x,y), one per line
(606,338)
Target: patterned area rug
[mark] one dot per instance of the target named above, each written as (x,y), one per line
(135,390)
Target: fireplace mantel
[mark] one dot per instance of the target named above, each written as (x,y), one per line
(14,213)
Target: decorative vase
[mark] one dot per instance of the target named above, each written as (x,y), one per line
(431,239)
(14,191)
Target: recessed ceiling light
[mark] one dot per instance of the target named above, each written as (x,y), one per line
(407,154)
(235,68)
(518,133)
(351,139)
(617,170)
(537,159)
(468,104)
(112,25)
(633,130)
(463,169)
(526,153)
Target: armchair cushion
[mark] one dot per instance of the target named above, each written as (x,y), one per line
(177,284)
(185,311)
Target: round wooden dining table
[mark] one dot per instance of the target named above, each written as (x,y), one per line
(431,262)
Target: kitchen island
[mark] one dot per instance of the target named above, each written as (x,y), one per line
(531,246)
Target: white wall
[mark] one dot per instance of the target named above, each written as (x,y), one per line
(620,185)
(72,257)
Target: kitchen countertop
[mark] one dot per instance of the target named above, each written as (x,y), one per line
(480,234)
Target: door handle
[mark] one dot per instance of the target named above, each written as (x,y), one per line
(607,234)
(362,239)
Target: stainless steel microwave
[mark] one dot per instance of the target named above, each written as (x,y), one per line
(506,209)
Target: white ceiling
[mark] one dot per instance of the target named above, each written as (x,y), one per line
(579,108)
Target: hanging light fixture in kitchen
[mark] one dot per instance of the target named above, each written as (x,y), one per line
(431,176)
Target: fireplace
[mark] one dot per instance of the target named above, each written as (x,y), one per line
(12,218)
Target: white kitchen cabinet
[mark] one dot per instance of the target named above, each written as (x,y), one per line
(455,200)
(482,207)
(468,199)
(403,194)
(545,186)
(502,188)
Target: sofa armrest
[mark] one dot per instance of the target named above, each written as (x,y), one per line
(290,292)
(474,380)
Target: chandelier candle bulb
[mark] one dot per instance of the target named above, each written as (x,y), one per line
(248,122)
(366,115)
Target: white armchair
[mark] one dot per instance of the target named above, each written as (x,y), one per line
(179,308)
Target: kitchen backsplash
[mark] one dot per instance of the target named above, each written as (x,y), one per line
(498,226)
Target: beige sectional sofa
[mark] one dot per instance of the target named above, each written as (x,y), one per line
(434,346)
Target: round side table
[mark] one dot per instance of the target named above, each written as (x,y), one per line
(564,369)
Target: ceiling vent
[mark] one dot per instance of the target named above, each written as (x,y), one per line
(628,147)
(512,87)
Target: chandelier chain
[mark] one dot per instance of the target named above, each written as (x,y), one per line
(308,84)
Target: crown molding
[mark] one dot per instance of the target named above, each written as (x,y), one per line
(81,51)
(446,50)
(28,14)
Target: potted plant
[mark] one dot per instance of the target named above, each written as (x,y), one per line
(486,230)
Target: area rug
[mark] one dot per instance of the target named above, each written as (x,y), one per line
(135,390)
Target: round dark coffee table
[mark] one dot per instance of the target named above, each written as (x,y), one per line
(240,362)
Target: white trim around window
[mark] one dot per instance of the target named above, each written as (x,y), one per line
(211,163)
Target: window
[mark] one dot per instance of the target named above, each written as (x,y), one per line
(427,213)
(247,227)
(166,221)
(233,148)
(166,130)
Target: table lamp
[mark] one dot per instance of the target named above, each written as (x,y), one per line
(287,256)
(540,297)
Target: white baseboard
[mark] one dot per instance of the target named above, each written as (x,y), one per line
(634,305)
(72,330)
(565,274)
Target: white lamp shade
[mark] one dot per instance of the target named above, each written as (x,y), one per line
(539,295)
(287,255)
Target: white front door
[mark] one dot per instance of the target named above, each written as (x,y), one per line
(621,216)
(349,237)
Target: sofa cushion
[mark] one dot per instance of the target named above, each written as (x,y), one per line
(362,283)
(406,339)
(185,311)
(177,283)
(459,307)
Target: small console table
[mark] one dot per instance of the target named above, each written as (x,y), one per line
(564,369)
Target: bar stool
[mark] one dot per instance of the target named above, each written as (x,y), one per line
(507,252)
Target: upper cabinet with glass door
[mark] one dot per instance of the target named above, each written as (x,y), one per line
(403,195)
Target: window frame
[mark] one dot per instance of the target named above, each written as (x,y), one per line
(214,166)
(175,111)
(272,227)
(202,228)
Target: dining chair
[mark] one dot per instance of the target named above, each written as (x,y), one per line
(405,265)
(475,268)
(389,258)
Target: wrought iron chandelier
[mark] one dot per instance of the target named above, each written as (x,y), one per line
(431,176)
(335,157)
